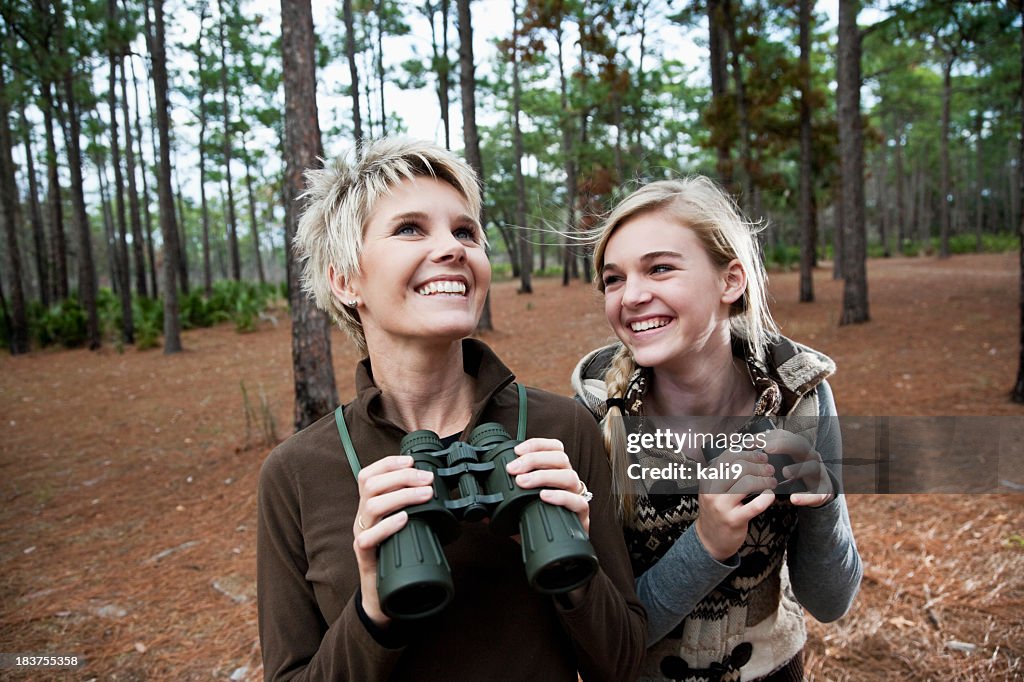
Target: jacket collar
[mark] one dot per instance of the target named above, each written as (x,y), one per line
(478,360)
(795,368)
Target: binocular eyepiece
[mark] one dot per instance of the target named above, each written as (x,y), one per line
(413,576)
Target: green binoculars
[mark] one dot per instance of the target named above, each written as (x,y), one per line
(413,577)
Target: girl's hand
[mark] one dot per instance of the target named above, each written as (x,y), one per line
(385,486)
(722,522)
(542,463)
(807,466)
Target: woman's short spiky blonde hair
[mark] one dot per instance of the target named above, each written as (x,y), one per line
(339,199)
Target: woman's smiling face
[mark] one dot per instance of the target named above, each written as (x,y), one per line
(423,271)
(663,296)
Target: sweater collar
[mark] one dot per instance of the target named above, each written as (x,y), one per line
(478,360)
(794,370)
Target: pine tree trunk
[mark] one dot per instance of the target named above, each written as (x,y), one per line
(315,390)
(511,244)
(914,201)
(1013,203)
(236,262)
(147,214)
(945,188)
(742,112)
(121,236)
(87,288)
(220,245)
(168,221)
(35,216)
(204,207)
(445,76)
(470,136)
(851,154)
(138,247)
(353,70)
(109,240)
(924,226)
(1018,389)
(807,245)
(55,206)
(979,183)
(440,62)
(525,247)
(19,341)
(380,67)
(5,314)
(253,225)
(901,200)
(881,202)
(837,234)
(586,196)
(569,254)
(616,105)
(717,66)
(183,280)
(368,82)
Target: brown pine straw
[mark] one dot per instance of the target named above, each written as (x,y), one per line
(938,569)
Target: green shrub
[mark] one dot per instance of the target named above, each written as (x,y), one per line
(248,306)
(193,311)
(782,256)
(990,243)
(149,321)
(501,271)
(36,314)
(64,324)
(550,271)
(240,302)
(108,308)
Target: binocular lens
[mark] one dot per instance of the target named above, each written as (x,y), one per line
(563,575)
(417,600)
(413,578)
(557,554)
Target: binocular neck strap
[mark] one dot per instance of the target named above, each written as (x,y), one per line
(346,442)
(521,430)
(350,450)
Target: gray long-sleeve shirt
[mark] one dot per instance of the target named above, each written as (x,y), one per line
(824,565)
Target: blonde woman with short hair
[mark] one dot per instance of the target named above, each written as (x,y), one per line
(392,248)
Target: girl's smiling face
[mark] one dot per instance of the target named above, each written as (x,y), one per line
(663,296)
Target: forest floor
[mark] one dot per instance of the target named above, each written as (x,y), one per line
(128,479)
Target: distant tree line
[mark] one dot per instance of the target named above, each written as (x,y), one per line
(894,131)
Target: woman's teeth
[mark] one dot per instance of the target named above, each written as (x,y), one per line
(442,287)
(653,323)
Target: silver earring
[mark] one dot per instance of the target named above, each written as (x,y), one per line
(352,304)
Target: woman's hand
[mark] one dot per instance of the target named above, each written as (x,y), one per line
(807,466)
(385,486)
(722,522)
(542,463)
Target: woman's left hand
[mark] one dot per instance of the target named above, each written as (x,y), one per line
(807,466)
(542,463)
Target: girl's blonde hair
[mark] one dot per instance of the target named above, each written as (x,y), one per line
(698,203)
(339,199)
